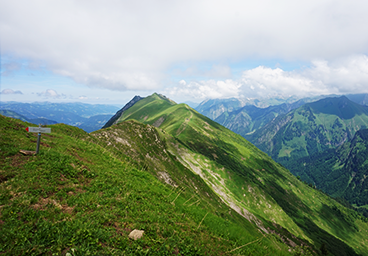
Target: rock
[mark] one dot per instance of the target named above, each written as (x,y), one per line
(136,234)
(27,152)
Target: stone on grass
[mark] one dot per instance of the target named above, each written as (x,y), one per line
(136,234)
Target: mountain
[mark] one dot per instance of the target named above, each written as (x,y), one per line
(361,99)
(93,123)
(90,117)
(250,118)
(37,121)
(310,129)
(340,172)
(118,114)
(213,108)
(160,134)
(193,187)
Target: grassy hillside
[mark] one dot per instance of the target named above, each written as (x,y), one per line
(83,197)
(193,186)
(243,177)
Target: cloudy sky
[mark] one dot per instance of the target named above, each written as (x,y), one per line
(108,51)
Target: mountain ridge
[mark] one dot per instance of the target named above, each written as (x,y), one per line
(201,145)
(192,185)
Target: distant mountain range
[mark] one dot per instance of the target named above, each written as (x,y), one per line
(10,113)
(213,108)
(250,118)
(88,117)
(311,128)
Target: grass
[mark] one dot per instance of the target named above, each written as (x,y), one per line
(251,181)
(201,191)
(80,198)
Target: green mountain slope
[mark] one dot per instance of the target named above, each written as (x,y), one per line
(193,186)
(312,128)
(340,172)
(83,197)
(244,178)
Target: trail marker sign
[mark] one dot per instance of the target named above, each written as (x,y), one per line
(38,129)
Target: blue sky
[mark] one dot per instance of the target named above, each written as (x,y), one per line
(109,51)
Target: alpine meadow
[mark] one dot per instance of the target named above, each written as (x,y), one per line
(193,186)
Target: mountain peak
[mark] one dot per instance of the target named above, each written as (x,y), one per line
(118,114)
(339,106)
(161,97)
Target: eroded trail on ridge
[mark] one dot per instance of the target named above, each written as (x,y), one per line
(185,123)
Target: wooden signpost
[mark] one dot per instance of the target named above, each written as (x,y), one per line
(40,130)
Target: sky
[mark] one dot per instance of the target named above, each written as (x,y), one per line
(109,51)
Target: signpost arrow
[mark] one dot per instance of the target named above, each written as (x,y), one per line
(38,129)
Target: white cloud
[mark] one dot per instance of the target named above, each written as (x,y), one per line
(205,89)
(215,71)
(49,93)
(263,81)
(345,75)
(130,45)
(10,91)
(342,76)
